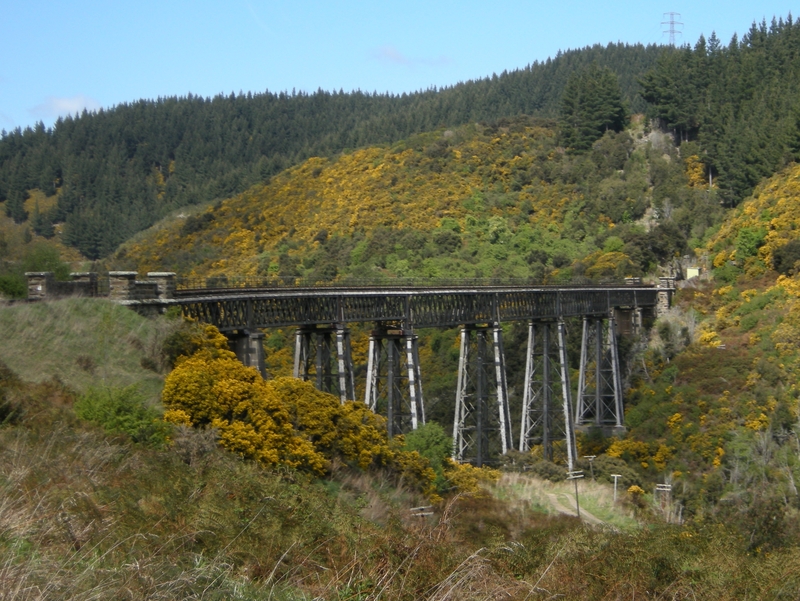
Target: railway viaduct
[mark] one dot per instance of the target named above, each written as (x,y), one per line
(482,427)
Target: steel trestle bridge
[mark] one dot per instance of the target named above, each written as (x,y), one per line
(257,308)
(482,427)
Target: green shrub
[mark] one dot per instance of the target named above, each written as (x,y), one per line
(183,342)
(748,322)
(726,274)
(613,244)
(431,442)
(749,241)
(45,257)
(547,470)
(605,466)
(758,303)
(784,258)
(13,286)
(123,411)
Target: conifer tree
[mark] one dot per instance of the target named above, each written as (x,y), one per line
(590,106)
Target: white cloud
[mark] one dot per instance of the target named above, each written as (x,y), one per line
(54,107)
(390,54)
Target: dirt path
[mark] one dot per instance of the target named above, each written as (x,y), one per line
(561,508)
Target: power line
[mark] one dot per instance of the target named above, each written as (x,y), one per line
(672,22)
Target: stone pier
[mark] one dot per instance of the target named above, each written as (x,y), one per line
(122,285)
(85,282)
(666,288)
(165,283)
(249,349)
(40,284)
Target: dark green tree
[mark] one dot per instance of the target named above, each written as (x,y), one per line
(590,106)
(41,223)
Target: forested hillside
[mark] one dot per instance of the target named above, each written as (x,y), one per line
(494,200)
(739,102)
(118,171)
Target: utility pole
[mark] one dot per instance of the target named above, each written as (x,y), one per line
(666,507)
(672,21)
(616,477)
(575,476)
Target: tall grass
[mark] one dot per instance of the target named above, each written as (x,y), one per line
(89,516)
(86,515)
(82,342)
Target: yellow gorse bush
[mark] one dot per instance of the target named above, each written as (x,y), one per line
(695,172)
(221,393)
(775,206)
(468,478)
(284,421)
(350,430)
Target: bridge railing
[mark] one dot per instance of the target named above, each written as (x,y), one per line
(277,282)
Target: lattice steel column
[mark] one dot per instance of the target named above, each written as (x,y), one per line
(599,385)
(327,351)
(479,378)
(546,383)
(394,385)
(344,363)
(566,397)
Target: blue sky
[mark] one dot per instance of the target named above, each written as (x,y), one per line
(60,56)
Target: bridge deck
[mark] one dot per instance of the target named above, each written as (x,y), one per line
(252,308)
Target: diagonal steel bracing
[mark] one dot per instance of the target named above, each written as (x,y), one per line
(323,355)
(546,403)
(599,384)
(394,383)
(481,396)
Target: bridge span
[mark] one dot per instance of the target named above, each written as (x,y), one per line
(231,309)
(483,425)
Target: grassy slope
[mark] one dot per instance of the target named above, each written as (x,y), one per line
(82,342)
(87,516)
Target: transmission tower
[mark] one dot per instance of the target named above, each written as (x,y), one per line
(672,21)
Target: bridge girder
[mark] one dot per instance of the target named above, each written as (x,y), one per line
(418,309)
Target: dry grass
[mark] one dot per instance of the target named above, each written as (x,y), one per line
(81,342)
(87,516)
(595,497)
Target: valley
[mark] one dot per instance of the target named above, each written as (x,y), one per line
(143,459)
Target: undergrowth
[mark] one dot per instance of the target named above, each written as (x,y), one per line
(89,515)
